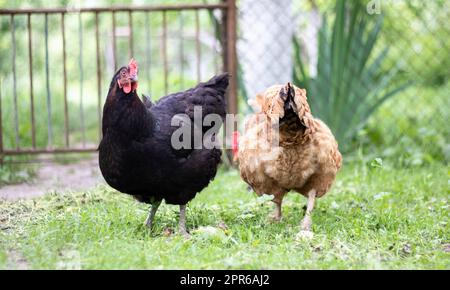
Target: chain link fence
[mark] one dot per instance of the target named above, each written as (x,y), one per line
(376,71)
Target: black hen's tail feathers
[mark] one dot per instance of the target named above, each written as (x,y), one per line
(147,101)
(218,82)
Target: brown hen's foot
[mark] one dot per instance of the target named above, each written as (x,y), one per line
(275,217)
(306,224)
(182,222)
(151,216)
(304,235)
(305,229)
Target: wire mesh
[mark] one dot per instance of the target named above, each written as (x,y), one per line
(61,62)
(377,73)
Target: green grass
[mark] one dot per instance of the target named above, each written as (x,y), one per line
(373,218)
(15,173)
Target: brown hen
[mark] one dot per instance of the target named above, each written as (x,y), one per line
(285,148)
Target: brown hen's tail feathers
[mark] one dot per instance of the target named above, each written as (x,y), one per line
(287,94)
(291,115)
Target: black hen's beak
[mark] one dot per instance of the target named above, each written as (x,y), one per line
(134,78)
(133,70)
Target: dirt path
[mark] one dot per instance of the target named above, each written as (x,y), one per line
(56,177)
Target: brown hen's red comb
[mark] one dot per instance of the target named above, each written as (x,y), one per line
(133,67)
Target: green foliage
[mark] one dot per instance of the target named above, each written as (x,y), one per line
(412,129)
(11,174)
(350,84)
(373,218)
(418,33)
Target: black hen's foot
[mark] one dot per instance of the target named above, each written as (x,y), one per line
(151,215)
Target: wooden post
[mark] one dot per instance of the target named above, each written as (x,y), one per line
(230,64)
(230,58)
(1,126)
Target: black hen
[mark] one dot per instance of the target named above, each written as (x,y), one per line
(136,155)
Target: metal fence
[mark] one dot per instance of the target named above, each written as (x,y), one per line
(277,42)
(80,49)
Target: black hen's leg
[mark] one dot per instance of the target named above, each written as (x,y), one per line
(151,215)
(182,222)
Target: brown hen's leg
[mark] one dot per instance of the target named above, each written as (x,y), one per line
(305,227)
(277,214)
(182,222)
(151,215)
